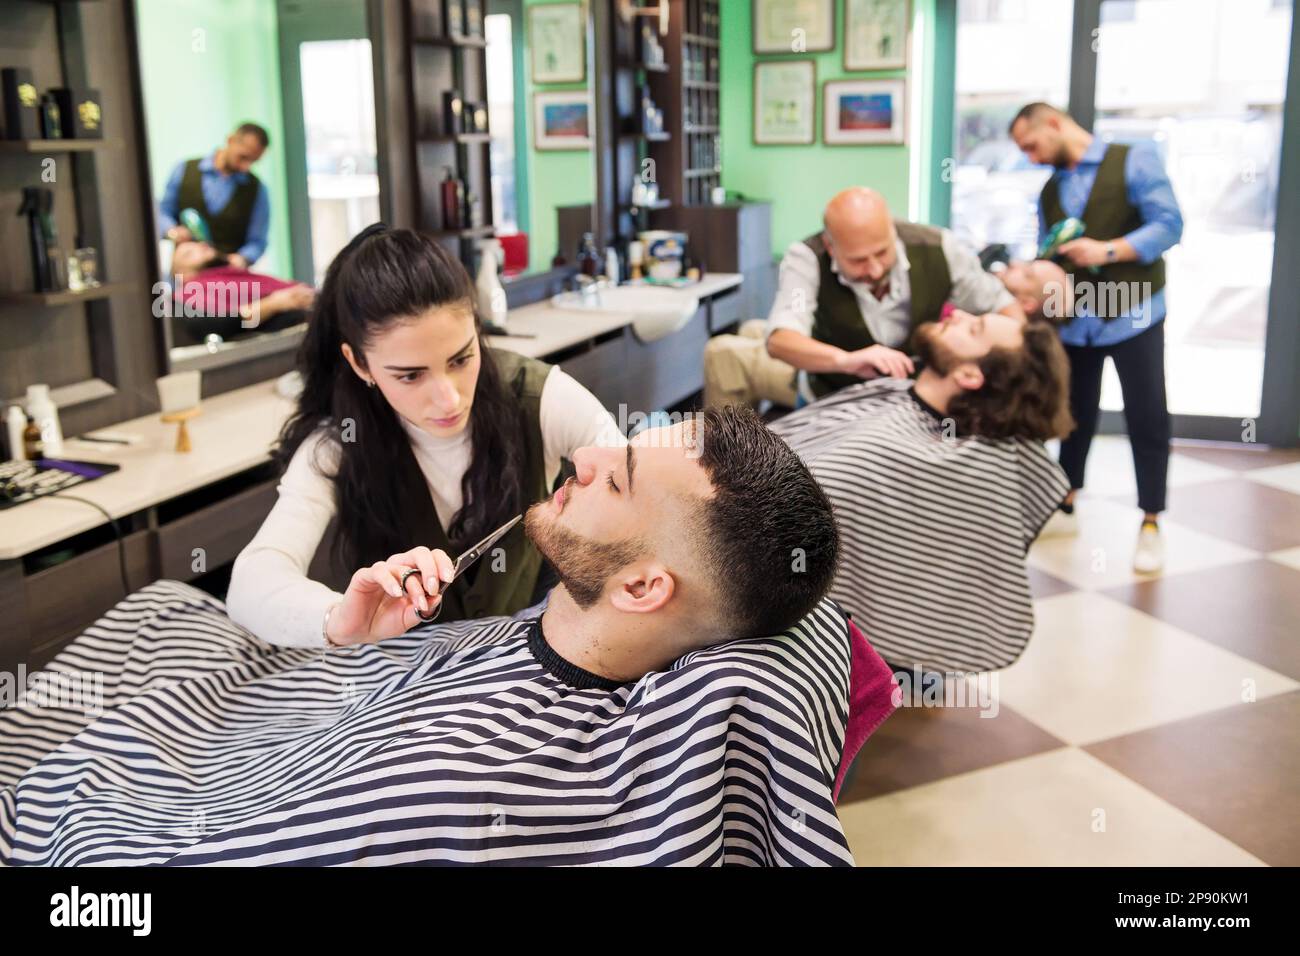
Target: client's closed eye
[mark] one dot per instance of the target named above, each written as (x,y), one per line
(610,480)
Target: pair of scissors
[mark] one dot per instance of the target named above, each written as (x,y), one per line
(462,564)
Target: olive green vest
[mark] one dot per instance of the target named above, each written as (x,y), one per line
(837,319)
(1108,214)
(229,227)
(501,582)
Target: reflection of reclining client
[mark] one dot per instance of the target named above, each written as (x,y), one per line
(213,295)
(621,724)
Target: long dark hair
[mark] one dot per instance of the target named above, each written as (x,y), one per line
(384,276)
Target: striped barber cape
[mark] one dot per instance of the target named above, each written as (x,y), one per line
(451,744)
(934,528)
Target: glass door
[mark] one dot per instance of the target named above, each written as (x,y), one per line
(994,188)
(1206,80)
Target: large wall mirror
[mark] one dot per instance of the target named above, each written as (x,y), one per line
(219,78)
(260,124)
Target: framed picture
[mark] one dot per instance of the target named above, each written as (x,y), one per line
(785,102)
(557,40)
(875,34)
(793,26)
(562,120)
(864,112)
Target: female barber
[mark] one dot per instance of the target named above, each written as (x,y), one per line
(412,441)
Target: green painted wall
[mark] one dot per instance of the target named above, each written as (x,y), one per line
(798,180)
(208,67)
(556,177)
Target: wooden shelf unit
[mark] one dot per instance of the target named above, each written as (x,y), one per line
(442,61)
(37,146)
(77,50)
(101,291)
(691,95)
(684,158)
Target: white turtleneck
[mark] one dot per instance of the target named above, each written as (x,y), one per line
(270,593)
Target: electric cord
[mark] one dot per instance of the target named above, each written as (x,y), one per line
(117,531)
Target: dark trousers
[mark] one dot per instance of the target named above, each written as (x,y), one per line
(1140,363)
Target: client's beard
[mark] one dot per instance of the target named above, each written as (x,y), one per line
(934,354)
(582,565)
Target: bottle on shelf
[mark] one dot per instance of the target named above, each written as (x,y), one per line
(15,425)
(32,446)
(635,257)
(588,260)
(46,416)
(453,192)
(51,121)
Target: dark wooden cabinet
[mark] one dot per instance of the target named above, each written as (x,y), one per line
(62,600)
(735,237)
(43,608)
(221,530)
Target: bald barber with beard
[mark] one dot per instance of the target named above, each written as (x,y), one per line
(851,296)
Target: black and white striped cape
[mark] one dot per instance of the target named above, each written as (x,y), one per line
(451,744)
(934,528)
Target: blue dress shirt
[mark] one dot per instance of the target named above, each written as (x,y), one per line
(1151,193)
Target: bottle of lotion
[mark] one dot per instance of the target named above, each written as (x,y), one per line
(15,423)
(46,415)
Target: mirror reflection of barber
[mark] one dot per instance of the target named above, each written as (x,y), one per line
(222,188)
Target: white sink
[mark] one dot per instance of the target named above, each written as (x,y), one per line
(654,311)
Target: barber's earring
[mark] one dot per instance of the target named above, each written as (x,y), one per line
(370,382)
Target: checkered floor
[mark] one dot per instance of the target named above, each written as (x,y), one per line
(1153,720)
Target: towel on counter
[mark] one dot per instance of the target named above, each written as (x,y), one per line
(450,744)
(934,527)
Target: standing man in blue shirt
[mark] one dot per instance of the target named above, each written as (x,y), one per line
(232,201)
(1124,197)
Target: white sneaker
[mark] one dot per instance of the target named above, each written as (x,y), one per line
(1150,555)
(1061,525)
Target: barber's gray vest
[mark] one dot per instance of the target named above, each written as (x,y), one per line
(838,320)
(1108,214)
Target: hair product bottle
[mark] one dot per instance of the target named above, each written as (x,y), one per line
(46,415)
(15,425)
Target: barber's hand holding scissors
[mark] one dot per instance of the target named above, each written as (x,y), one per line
(876,360)
(375,605)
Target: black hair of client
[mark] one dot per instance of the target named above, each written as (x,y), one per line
(769,534)
(385,276)
(1026,391)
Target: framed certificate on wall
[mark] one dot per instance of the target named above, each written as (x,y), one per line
(557,42)
(793,26)
(875,34)
(785,102)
